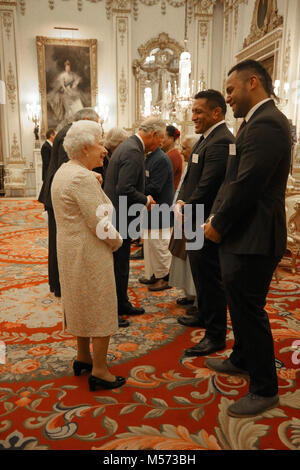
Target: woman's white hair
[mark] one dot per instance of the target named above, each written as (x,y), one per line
(81,133)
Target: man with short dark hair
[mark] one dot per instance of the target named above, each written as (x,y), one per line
(46,151)
(248,220)
(204,176)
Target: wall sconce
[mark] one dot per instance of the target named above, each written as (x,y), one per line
(33,114)
(66,32)
(103,111)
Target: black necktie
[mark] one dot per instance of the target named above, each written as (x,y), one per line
(241,128)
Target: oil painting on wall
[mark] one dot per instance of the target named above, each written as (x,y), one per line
(67,78)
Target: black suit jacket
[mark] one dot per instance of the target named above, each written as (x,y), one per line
(58,157)
(160,184)
(125,176)
(250,206)
(46,155)
(205,175)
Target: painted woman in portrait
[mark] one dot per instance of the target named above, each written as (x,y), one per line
(65,98)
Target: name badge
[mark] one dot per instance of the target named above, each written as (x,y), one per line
(147,173)
(195,158)
(232,149)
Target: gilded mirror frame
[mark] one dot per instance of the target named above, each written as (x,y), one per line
(162,43)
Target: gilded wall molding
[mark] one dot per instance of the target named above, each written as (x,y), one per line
(287,59)
(122,29)
(262,43)
(204,7)
(162,41)
(11,87)
(265,19)
(126,6)
(15,152)
(123,90)
(203,31)
(7,19)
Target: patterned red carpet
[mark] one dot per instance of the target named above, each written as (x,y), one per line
(168,403)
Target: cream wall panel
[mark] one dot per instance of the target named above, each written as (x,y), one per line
(39,20)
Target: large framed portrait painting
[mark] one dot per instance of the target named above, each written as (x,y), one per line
(67,78)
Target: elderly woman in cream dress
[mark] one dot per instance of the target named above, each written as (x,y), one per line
(86,240)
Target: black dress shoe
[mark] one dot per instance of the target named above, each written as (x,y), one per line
(224,366)
(184,301)
(191,321)
(95,382)
(78,367)
(204,347)
(193,311)
(57,292)
(122,322)
(144,280)
(139,254)
(252,405)
(133,311)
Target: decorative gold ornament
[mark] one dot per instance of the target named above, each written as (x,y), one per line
(264,20)
(7,23)
(15,153)
(11,87)
(123,90)
(122,28)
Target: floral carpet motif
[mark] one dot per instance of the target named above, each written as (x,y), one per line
(168,403)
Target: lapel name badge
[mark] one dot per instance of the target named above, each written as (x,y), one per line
(232,149)
(195,158)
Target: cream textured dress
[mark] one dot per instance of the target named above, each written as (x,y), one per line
(85,262)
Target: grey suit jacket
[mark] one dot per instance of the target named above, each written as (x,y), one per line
(125,176)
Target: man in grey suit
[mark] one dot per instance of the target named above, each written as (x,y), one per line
(248,220)
(125,176)
(204,176)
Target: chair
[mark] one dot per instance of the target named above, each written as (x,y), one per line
(14,181)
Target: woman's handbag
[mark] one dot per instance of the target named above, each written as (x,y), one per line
(177,246)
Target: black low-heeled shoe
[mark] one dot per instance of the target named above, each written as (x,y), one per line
(80,366)
(95,382)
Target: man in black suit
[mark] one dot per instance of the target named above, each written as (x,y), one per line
(58,157)
(125,176)
(204,176)
(248,220)
(46,151)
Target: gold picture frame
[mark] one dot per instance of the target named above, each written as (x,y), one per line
(67,71)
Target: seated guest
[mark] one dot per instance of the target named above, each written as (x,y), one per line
(113,138)
(168,145)
(180,270)
(86,240)
(156,236)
